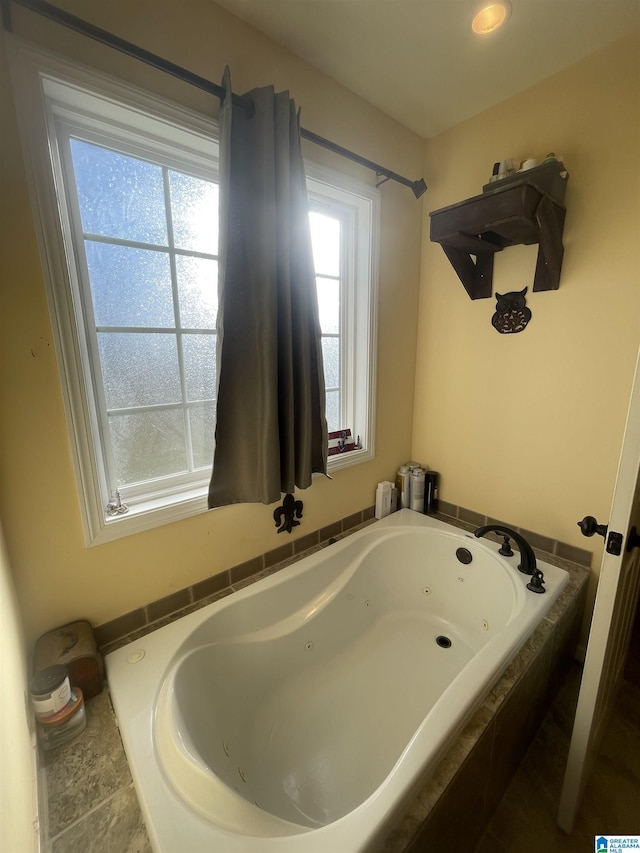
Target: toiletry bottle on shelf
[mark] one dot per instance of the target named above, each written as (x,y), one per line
(402,482)
(431,492)
(383,499)
(416,501)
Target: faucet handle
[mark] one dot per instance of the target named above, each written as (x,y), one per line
(505,549)
(536,582)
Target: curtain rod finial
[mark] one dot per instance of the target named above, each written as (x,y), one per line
(419,188)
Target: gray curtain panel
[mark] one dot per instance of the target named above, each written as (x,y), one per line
(271,432)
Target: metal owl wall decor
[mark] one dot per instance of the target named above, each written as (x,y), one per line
(512,314)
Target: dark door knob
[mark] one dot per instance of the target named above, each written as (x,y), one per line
(589,526)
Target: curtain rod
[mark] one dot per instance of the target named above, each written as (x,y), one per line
(47,10)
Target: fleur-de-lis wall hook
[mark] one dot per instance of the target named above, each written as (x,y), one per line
(284,515)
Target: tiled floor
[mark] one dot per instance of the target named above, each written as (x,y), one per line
(525,821)
(92,806)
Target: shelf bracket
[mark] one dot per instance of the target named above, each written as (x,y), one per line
(476,276)
(550,220)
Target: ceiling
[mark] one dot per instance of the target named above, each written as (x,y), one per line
(419,62)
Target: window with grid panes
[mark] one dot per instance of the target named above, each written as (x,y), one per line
(135,184)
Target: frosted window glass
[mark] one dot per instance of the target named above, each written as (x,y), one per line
(147,445)
(199,353)
(197,292)
(325,239)
(130,287)
(333,411)
(203,422)
(331,360)
(194,212)
(328,290)
(139,369)
(119,196)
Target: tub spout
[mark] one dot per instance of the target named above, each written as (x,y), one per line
(528,558)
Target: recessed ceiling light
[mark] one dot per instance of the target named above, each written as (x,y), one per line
(491,16)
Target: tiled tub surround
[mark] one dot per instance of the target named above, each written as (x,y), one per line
(90,804)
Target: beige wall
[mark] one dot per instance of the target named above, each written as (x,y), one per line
(58,579)
(17,785)
(527,427)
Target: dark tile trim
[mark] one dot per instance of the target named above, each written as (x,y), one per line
(445,508)
(330,531)
(246,570)
(277,555)
(121,626)
(205,588)
(351,521)
(135,624)
(169,604)
(576,555)
(538,541)
(306,542)
(471,517)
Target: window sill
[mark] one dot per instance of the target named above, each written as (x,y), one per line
(163,510)
(346,460)
(152,513)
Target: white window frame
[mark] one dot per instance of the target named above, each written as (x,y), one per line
(64,90)
(357,206)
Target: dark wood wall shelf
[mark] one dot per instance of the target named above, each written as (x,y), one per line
(524,209)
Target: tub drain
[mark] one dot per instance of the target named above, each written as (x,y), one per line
(443,642)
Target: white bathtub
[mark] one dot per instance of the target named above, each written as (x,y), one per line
(298,714)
